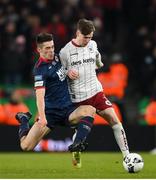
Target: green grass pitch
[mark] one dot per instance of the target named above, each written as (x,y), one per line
(58,165)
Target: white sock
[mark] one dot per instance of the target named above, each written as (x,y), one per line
(121,139)
(74,135)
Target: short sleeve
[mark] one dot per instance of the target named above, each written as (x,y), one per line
(39,78)
(63,57)
(98,55)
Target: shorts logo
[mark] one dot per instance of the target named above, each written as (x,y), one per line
(107,102)
(38,83)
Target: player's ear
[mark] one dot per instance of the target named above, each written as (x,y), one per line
(38,49)
(78,32)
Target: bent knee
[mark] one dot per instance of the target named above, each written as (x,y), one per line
(26,147)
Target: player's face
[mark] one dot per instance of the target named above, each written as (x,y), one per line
(84,39)
(47,50)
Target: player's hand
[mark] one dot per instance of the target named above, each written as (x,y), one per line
(73,74)
(99,64)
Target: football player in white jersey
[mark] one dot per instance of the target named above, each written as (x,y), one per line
(81,57)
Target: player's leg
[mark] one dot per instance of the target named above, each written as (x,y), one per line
(83,116)
(29,138)
(110,116)
(35,134)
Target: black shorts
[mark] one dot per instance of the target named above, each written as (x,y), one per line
(59,117)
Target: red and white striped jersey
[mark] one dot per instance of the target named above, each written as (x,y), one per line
(84,60)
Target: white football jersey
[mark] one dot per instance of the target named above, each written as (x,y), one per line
(85,61)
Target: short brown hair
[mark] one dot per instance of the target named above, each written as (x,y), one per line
(85,26)
(43,37)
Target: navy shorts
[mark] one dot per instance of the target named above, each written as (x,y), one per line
(59,117)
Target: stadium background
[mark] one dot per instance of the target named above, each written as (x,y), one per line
(126,37)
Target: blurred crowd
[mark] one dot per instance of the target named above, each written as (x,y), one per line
(125,34)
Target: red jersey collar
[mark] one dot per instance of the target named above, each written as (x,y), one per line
(41,59)
(72,41)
